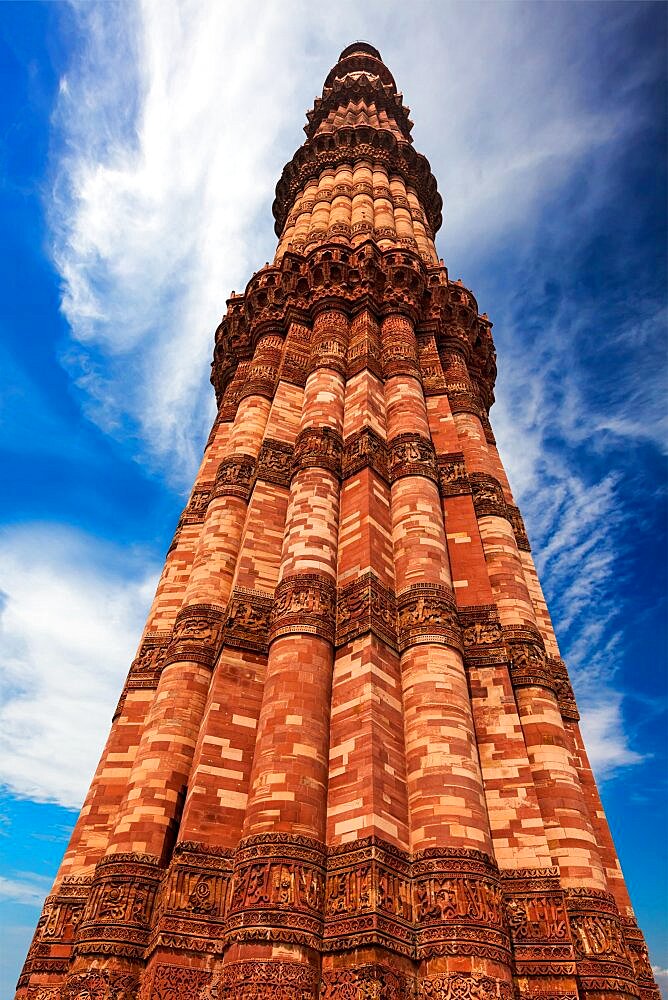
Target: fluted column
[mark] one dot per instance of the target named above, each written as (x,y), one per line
(449,829)
(284,827)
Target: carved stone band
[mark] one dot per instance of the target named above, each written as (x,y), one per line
(488,498)
(527,658)
(600,950)
(411,455)
(274,464)
(195,512)
(318,447)
(304,603)
(247,620)
(452,477)
(538,922)
(119,907)
(426,613)
(517,523)
(366,606)
(482,636)
(260,381)
(364,450)
(196,635)
(563,689)
(279,882)
(235,477)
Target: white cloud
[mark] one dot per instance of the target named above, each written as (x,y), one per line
(661,977)
(72,612)
(174,123)
(28,888)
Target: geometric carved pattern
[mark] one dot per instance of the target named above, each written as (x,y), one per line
(538,923)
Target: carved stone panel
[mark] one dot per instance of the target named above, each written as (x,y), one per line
(366,606)
(247,620)
(482,636)
(235,477)
(364,450)
(411,455)
(527,659)
(304,603)
(278,890)
(274,464)
(458,905)
(318,447)
(520,532)
(426,613)
(603,962)
(119,908)
(197,634)
(488,495)
(538,922)
(453,480)
(562,687)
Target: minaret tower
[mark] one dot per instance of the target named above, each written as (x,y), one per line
(346,762)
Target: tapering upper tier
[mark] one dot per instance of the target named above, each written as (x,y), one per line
(358,145)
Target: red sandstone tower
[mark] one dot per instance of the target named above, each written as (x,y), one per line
(346,762)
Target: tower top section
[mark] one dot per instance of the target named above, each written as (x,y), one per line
(359,117)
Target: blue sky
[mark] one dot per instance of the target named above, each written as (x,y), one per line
(140,146)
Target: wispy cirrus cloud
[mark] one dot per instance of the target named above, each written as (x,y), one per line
(172,126)
(72,612)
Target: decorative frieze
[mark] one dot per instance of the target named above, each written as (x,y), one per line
(278,890)
(527,658)
(603,963)
(304,603)
(195,512)
(458,905)
(256,979)
(562,688)
(118,911)
(235,477)
(364,450)
(196,635)
(538,922)
(318,448)
(462,986)
(453,480)
(517,524)
(274,463)
(482,636)
(426,612)
(363,606)
(247,620)
(488,498)
(411,455)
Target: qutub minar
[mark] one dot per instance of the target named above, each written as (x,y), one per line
(346,762)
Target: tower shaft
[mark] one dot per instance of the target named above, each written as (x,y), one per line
(346,761)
